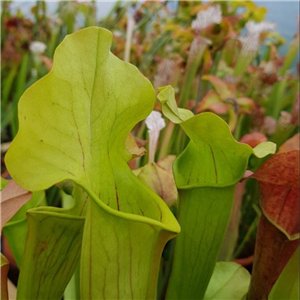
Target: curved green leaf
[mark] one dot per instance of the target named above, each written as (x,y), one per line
(52,249)
(124,255)
(229,281)
(167,97)
(287,285)
(73,126)
(206,173)
(4,272)
(51,253)
(218,159)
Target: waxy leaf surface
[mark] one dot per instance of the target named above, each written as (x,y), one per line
(203,214)
(218,159)
(73,126)
(229,281)
(205,173)
(52,251)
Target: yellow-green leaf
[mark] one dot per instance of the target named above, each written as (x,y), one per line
(73,126)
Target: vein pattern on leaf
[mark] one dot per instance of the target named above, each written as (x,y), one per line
(74,123)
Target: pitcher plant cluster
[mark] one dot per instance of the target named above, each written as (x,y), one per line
(152,181)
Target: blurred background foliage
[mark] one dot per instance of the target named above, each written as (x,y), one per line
(233,67)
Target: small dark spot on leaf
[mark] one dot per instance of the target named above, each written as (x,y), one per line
(42,141)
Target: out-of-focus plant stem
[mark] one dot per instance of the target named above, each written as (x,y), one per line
(283,134)
(203,85)
(120,14)
(7,85)
(242,63)
(36,15)
(192,67)
(217,59)
(147,17)
(44,13)
(191,71)
(276,98)
(239,127)
(116,7)
(164,149)
(129,32)
(156,46)
(293,50)
(242,245)
(200,90)
(20,88)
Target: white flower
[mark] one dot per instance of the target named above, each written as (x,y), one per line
(258,28)
(117,33)
(155,123)
(37,47)
(198,46)
(251,42)
(205,18)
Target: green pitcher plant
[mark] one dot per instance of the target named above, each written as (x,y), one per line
(73,126)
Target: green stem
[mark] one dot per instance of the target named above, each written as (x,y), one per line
(141,131)
(200,91)
(239,127)
(283,134)
(247,236)
(191,71)
(36,23)
(165,145)
(217,60)
(147,17)
(276,99)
